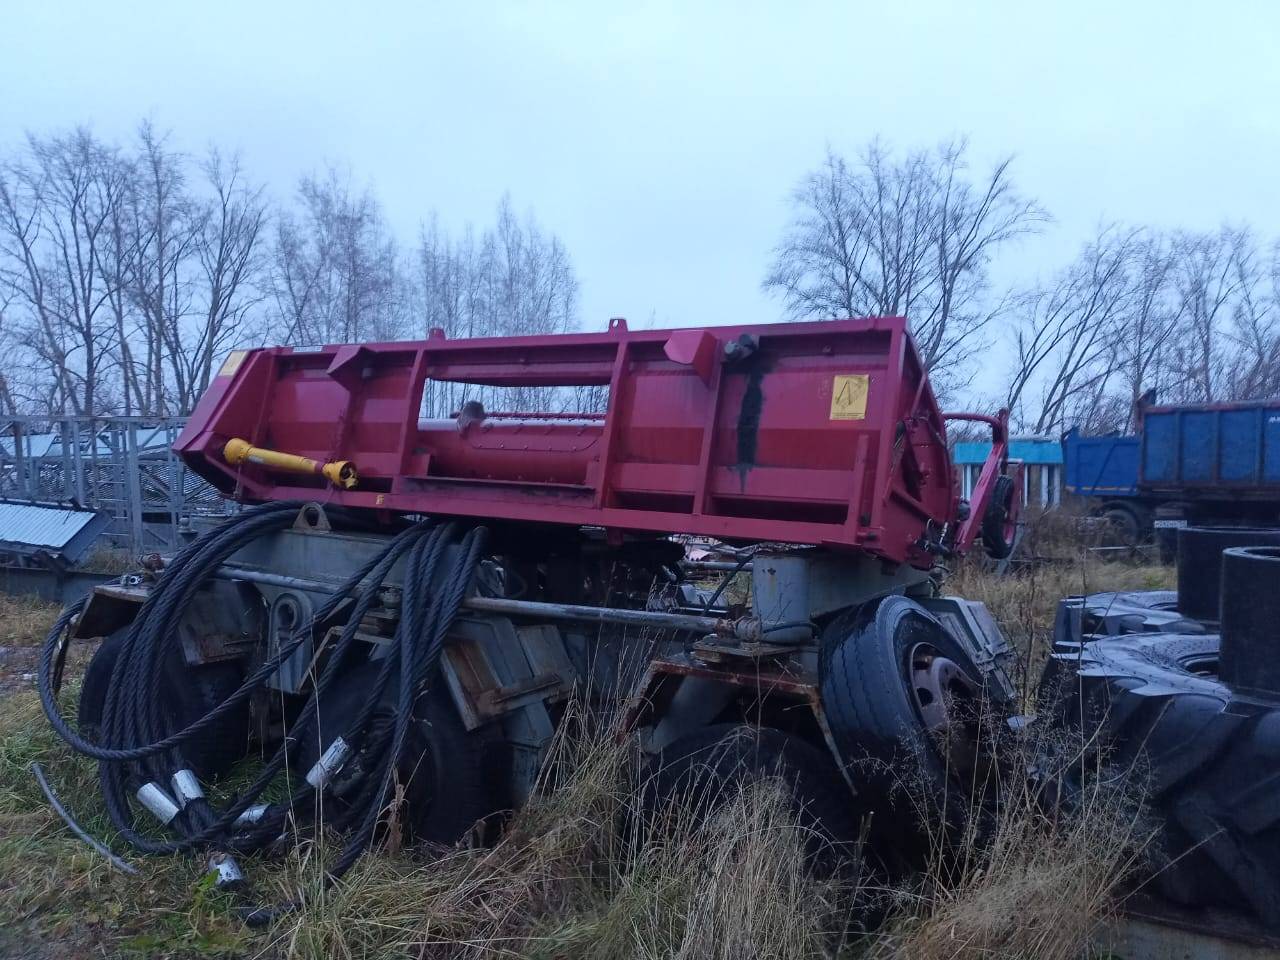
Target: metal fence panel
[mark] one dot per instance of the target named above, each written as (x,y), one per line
(124,466)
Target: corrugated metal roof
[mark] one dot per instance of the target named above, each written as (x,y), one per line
(34,445)
(38,526)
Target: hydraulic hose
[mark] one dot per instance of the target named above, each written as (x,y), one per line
(140,753)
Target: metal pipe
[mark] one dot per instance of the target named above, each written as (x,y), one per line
(587,614)
(717,565)
(509,607)
(74,827)
(233,571)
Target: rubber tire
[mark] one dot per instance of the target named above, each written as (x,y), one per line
(995,517)
(1200,564)
(1125,523)
(1082,620)
(93,689)
(705,769)
(189,693)
(1210,760)
(1166,600)
(1249,618)
(870,709)
(193,692)
(452,778)
(1114,613)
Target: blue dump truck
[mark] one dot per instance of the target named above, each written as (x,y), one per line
(1211,465)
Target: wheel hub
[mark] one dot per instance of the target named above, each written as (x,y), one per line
(945,697)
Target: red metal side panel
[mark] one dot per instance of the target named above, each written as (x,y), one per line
(824,433)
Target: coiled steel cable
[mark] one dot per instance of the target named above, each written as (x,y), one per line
(138,744)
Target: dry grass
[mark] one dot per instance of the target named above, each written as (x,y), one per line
(1039,890)
(112,560)
(1039,869)
(24,621)
(1024,601)
(60,899)
(1044,880)
(579,874)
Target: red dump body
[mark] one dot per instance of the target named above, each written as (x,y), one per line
(824,433)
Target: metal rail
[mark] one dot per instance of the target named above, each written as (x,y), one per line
(519,608)
(121,466)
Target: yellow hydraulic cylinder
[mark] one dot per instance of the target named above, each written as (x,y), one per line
(341,473)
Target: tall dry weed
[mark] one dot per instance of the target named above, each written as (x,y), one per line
(1051,835)
(585,870)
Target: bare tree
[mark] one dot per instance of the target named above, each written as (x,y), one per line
(229,262)
(514,281)
(120,262)
(165,224)
(911,237)
(1150,321)
(1066,341)
(1252,370)
(1211,269)
(336,274)
(122,280)
(9,358)
(56,206)
(1191,318)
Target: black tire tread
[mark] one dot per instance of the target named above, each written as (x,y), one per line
(467,791)
(93,689)
(187,694)
(721,757)
(1212,763)
(870,712)
(994,518)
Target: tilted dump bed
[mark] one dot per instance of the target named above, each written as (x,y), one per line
(824,433)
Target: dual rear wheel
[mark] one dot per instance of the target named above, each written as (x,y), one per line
(904,703)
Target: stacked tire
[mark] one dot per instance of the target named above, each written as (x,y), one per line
(1200,552)
(1191,719)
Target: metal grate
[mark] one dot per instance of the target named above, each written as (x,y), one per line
(123,466)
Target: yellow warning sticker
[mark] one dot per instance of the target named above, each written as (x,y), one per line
(849,396)
(232,363)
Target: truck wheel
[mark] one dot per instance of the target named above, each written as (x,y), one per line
(999,522)
(93,690)
(905,705)
(188,694)
(1123,526)
(701,771)
(1205,760)
(447,772)
(196,691)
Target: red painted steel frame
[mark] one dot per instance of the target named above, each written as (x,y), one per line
(824,433)
(996,465)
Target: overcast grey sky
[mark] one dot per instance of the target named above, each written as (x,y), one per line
(660,140)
